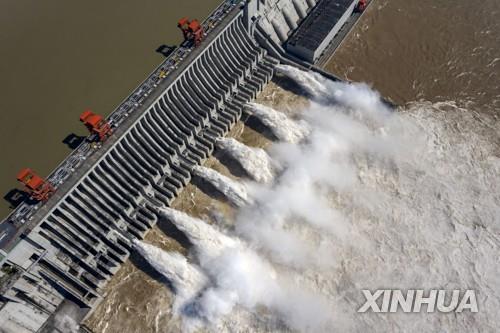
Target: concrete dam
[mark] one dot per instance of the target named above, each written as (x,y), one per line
(60,252)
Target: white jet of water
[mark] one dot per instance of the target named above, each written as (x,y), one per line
(186,278)
(244,278)
(238,277)
(209,241)
(66,323)
(235,192)
(358,97)
(255,161)
(282,127)
(313,83)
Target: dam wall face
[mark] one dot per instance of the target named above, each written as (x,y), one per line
(83,237)
(59,255)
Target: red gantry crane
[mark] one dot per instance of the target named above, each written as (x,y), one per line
(38,188)
(192,30)
(96,124)
(362,5)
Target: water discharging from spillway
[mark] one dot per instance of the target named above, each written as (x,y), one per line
(371,199)
(281,126)
(255,161)
(235,192)
(208,241)
(311,83)
(186,279)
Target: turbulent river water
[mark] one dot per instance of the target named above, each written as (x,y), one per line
(427,50)
(351,196)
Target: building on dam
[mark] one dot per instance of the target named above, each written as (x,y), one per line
(58,252)
(310,40)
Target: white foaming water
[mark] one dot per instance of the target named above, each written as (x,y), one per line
(311,82)
(209,241)
(66,323)
(254,161)
(236,279)
(234,191)
(282,127)
(244,280)
(186,279)
(358,97)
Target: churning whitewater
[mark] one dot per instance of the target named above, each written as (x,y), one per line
(281,126)
(255,161)
(369,199)
(186,279)
(235,192)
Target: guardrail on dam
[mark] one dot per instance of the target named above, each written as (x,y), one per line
(70,246)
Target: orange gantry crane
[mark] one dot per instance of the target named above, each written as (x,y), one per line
(96,124)
(192,30)
(38,188)
(362,5)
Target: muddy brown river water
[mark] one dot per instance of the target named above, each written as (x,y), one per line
(427,50)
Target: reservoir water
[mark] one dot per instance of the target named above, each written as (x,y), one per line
(59,58)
